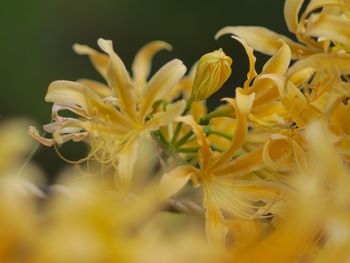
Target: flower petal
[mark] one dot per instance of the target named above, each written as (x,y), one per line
(99,61)
(242,165)
(204,152)
(141,66)
(244,101)
(34,133)
(252,59)
(292,98)
(291,13)
(336,64)
(239,198)
(266,41)
(279,62)
(161,83)
(83,101)
(164,118)
(101,89)
(126,161)
(72,94)
(238,138)
(118,78)
(214,224)
(302,76)
(175,180)
(317,4)
(331,27)
(184,86)
(277,155)
(71,129)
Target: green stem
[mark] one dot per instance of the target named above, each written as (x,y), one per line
(208,131)
(188,150)
(162,142)
(184,139)
(216,148)
(176,133)
(179,124)
(224,111)
(188,105)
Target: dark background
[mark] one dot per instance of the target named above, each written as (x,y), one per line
(36,38)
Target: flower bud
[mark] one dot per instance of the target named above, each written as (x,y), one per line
(213,70)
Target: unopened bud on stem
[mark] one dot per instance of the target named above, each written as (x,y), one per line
(213,70)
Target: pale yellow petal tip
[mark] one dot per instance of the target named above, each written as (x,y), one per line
(106,45)
(224,31)
(180,65)
(178,61)
(82,49)
(159,44)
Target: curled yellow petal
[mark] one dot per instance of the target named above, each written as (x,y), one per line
(212,71)
(99,61)
(251,58)
(277,155)
(266,41)
(34,133)
(69,93)
(279,62)
(291,12)
(141,66)
(70,130)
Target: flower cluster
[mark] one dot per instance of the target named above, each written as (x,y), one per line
(266,172)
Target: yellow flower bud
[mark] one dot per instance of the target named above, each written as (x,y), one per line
(213,70)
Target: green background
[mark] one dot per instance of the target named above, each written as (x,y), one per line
(37,37)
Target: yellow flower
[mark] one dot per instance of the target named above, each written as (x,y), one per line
(329,25)
(221,178)
(112,125)
(308,231)
(212,71)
